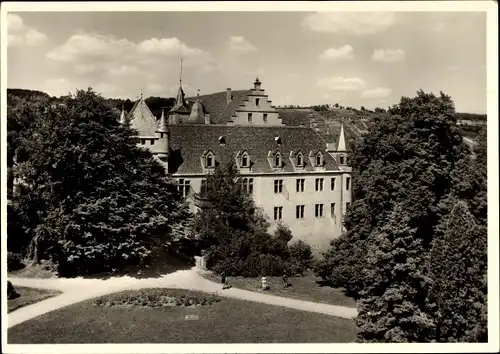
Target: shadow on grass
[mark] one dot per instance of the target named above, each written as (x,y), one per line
(161,263)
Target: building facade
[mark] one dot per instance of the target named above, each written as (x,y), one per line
(291,172)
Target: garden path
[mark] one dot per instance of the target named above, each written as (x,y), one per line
(79,289)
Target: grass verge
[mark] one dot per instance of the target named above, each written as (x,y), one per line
(303,288)
(226,321)
(29,296)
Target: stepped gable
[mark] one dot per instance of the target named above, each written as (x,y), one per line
(216,104)
(190,141)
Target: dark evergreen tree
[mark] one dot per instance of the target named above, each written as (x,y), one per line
(92,200)
(458,269)
(402,172)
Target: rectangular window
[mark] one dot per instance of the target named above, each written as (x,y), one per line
(318,210)
(278,186)
(299,211)
(265,117)
(300,184)
(249,117)
(319,184)
(257,100)
(341,160)
(152,142)
(347,183)
(184,187)
(333,184)
(143,141)
(332,209)
(204,187)
(244,161)
(247,185)
(278,213)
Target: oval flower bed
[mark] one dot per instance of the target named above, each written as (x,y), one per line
(155,298)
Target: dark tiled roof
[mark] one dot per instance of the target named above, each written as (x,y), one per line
(294,117)
(189,142)
(216,104)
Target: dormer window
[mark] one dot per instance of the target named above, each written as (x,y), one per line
(210,161)
(299,160)
(277,160)
(342,159)
(222,140)
(244,161)
(319,159)
(278,141)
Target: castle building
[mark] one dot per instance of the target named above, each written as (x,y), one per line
(291,172)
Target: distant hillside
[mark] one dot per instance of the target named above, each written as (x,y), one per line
(325,119)
(23,93)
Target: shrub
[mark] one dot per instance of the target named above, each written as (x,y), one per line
(301,258)
(157,298)
(14,262)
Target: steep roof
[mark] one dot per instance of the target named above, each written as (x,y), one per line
(180,105)
(294,117)
(141,119)
(190,141)
(216,104)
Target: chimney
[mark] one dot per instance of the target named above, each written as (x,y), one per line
(228,95)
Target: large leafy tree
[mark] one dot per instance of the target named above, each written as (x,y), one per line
(402,171)
(234,231)
(92,200)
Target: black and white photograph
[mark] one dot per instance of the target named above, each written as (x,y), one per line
(212,177)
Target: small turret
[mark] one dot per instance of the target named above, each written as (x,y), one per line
(256,84)
(341,151)
(163,133)
(198,111)
(123,117)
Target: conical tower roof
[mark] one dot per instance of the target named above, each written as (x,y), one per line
(341,146)
(197,112)
(123,117)
(162,125)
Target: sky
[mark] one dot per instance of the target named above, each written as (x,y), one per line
(355,59)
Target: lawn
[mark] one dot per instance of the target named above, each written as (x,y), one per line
(226,321)
(303,288)
(29,296)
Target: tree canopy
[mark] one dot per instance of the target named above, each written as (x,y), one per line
(408,173)
(91,199)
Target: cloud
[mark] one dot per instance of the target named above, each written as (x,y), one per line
(153,89)
(85,68)
(240,45)
(359,23)
(20,34)
(342,84)
(105,89)
(377,92)
(125,70)
(344,52)
(388,55)
(90,52)
(58,87)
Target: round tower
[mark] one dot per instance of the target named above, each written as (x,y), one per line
(163,133)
